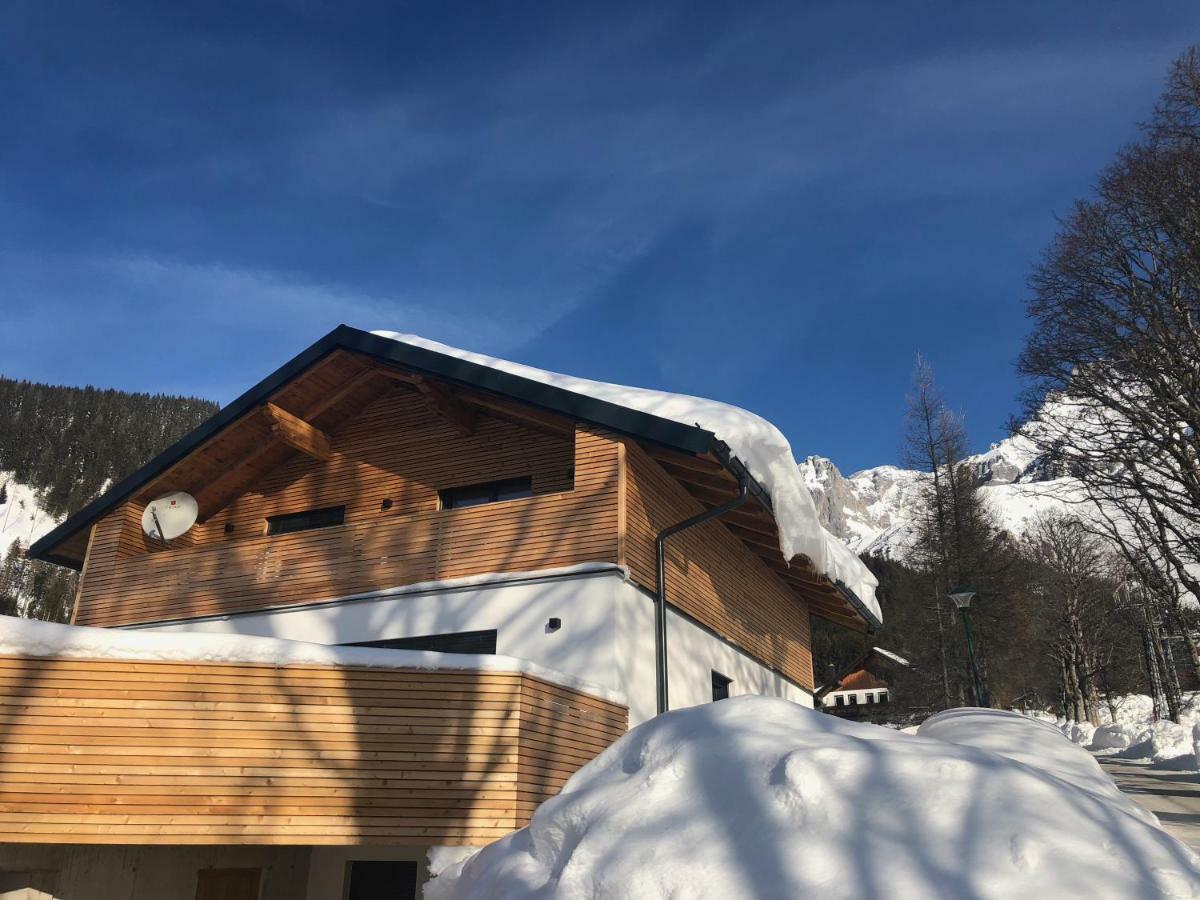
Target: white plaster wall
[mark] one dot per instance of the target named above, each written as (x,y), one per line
(692,655)
(607,633)
(519,611)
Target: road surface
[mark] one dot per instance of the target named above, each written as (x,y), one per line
(1172,796)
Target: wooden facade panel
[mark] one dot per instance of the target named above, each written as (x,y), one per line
(400,450)
(711,575)
(148,752)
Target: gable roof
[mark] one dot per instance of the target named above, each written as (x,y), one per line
(454,367)
(858,677)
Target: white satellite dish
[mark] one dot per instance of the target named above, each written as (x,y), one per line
(169,516)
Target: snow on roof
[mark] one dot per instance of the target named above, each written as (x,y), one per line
(895,657)
(759,797)
(27,637)
(760,446)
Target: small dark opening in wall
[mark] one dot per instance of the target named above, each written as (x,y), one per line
(720,686)
(307,520)
(386,504)
(381,880)
(457,642)
(488,492)
(229,528)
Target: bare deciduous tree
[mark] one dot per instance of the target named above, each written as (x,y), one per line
(1114,357)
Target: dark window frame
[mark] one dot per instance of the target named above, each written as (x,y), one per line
(481,643)
(306,520)
(467,495)
(720,686)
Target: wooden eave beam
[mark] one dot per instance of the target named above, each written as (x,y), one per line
(297,433)
(439,397)
(756,522)
(214,496)
(448,406)
(526,417)
(701,464)
(691,477)
(351,384)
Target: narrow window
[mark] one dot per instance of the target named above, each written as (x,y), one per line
(489,492)
(304,521)
(382,880)
(720,686)
(883,696)
(854,699)
(455,642)
(840,700)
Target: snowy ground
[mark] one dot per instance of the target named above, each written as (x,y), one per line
(1134,735)
(22,518)
(757,797)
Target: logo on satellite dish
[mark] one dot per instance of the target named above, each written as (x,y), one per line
(169,516)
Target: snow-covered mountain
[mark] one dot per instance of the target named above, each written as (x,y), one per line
(22,518)
(873,510)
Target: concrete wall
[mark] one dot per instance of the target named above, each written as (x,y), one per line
(607,633)
(82,872)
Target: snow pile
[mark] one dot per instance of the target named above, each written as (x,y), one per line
(28,637)
(758,797)
(1135,735)
(755,441)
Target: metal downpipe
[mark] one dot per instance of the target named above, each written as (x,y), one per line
(660,599)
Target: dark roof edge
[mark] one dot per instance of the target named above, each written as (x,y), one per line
(687,438)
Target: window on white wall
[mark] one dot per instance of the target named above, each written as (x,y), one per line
(720,686)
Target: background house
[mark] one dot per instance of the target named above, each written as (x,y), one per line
(870,689)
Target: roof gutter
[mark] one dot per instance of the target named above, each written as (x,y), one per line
(660,596)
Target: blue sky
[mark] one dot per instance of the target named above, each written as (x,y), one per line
(777,205)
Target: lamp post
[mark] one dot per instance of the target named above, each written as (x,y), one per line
(961,597)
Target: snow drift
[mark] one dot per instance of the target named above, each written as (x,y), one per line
(758,797)
(755,441)
(1134,734)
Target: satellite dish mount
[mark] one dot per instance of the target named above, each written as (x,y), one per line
(169,516)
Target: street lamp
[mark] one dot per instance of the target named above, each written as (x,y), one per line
(961,597)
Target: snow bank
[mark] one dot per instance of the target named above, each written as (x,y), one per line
(755,441)
(26,637)
(1135,735)
(758,797)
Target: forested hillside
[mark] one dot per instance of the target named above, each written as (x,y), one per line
(59,448)
(69,442)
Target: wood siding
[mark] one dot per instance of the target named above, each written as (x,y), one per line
(127,752)
(397,449)
(711,575)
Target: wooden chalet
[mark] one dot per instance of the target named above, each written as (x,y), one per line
(376,492)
